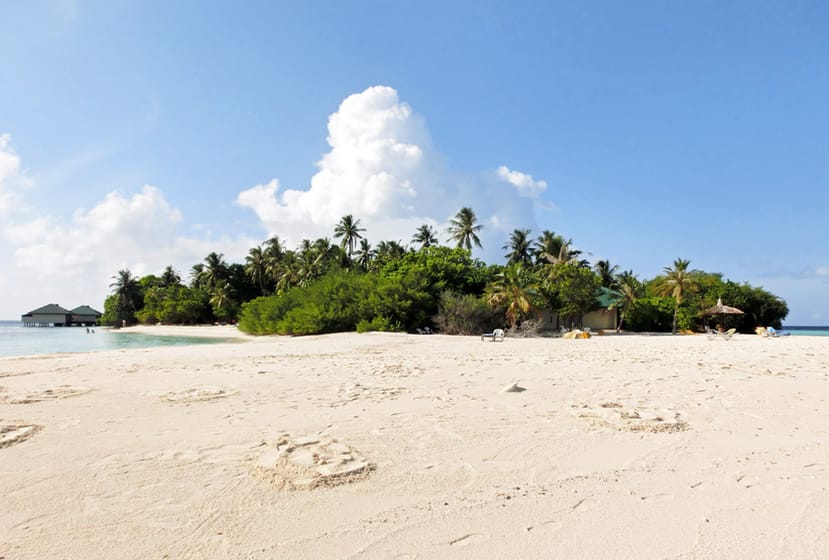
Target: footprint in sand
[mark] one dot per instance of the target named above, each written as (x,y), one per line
(305,463)
(197,394)
(13,432)
(355,391)
(615,415)
(61,392)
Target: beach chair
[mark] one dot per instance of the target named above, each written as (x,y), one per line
(495,336)
(771,331)
(716,335)
(713,334)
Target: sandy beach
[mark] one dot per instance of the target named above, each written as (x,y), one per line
(406,446)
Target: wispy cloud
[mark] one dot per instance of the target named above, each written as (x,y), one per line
(74,257)
(524,183)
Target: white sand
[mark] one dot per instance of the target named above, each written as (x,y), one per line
(397,446)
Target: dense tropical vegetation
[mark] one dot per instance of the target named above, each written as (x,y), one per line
(321,287)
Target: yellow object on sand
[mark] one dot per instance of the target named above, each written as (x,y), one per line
(576,334)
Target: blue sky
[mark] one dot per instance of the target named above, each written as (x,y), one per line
(141,134)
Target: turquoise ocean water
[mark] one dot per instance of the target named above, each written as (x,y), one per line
(807,331)
(17,340)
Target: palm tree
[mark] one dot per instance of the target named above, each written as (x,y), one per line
(256,267)
(677,282)
(215,270)
(631,288)
(606,272)
(547,247)
(349,229)
(516,288)
(552,248)
(274,248)
(274,254)
(197,276)
(426,236)
(464,229)
(289,272)
(519,248)
(365,254)
(128,296)
(389,250)
(169,277)
(222,300)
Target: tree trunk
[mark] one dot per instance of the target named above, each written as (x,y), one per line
(676,309)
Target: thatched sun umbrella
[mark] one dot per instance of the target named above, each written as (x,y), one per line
(721,309)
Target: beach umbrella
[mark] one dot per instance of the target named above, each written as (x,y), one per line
(721,309)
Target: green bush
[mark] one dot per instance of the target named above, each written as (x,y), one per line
(466,314)
(382,324)
(656,314)
(331,304)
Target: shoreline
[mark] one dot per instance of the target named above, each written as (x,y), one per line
(378,445)
(207,331)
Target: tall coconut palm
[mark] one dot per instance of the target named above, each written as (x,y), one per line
(197,276)
(327,254)
(631,288)
(426,236)
(606,272)
(128,295)
(169,277)
(517,289)
(677,282)
(214,271)
(547,247)
(389,250)
(289,272)
(349,229)
(274,248)
(519,248)
(365,254)
(256,267)
(274,253)
(222,300)
(464,228)
(555,249)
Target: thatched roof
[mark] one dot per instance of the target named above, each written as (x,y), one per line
(721,309)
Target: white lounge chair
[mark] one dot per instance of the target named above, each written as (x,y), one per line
(495,336)
(727,335)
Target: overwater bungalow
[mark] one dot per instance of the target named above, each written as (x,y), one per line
(85,316)
(53,315)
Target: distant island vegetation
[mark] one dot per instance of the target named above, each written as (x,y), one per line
(324,287)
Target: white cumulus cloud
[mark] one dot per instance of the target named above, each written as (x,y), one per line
(383,169)
(524,183)
(73,262)
(11,176)
(380,168)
